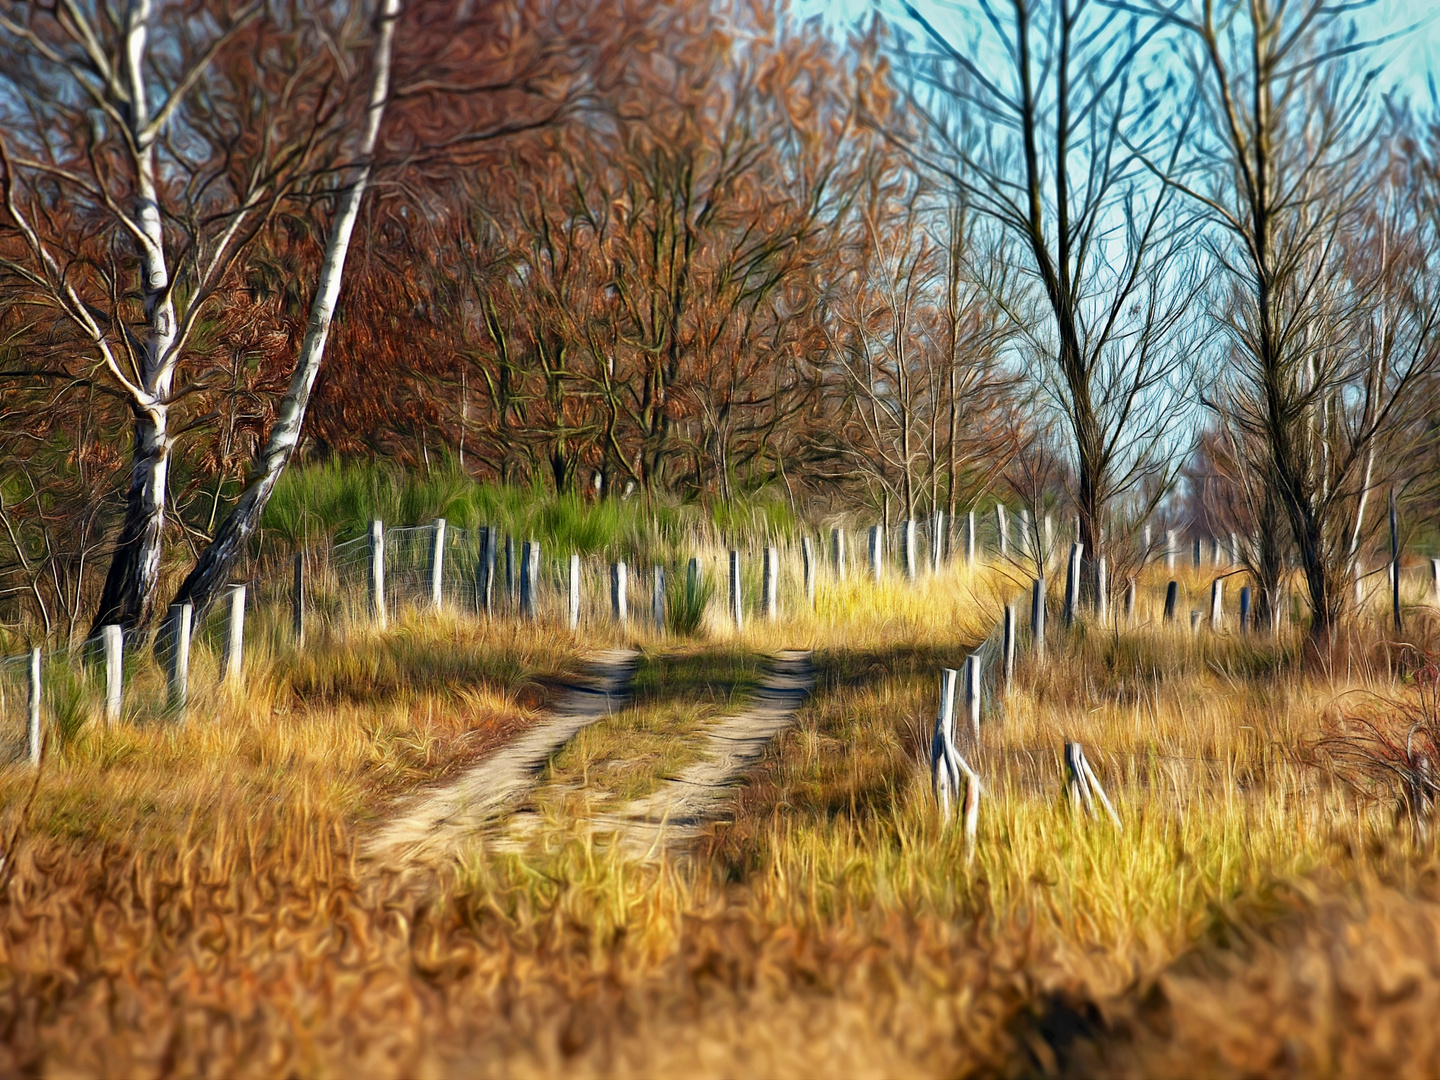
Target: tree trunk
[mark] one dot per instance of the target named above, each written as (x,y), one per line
(134,572)
(211,573)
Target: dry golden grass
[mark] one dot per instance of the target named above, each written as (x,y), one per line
(191,902)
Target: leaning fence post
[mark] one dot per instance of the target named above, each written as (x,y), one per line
(297,602)
(770,583)
(1245,609)
(972,697)
(180,618)
(1172,594)
(877,551)
(437,563)
(1079,784)
(112,640)
(1037,617)
(942,781)
(1217,609)
(657,597)
(1072,582)
(807,553)
(34,727)
(1007,669)
(574,606)
(619,589)
(910,554)
(837,552)
(377,573)
(529,578)
(737,607)
(235,634)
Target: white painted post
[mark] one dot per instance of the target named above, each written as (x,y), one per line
(877,551)
(1072,583)
(657,598)
(1002,523)
(911,566)
(737,606)
(1037,617)
(235,634)
(770,584)
(180,619)
(34,727)
(970,538)
(1008,669)
(1217,600)
(437,563)
(837,552)
(937,541)
(574,607)
(972,697)
(807,554)
(530,579)
(297,602)
(377,573)
(1170,549)
(112,640)
(619,592)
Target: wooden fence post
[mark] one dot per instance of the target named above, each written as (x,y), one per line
(911,567)
(1172,594)
(1145,545)
(937,541)
(180,619)
(1170,549)
(737,606)
(1037,617)
(877,551)
(1002,523)
(485,572)
(1024,543)
(34,739)
(510,575)
(1072,582)
(1007,670)
(297,602)
(770,585)
(1195,616)
(437,564)
(972,697)
(1102,590)
(692,582)
(530,579)
(837,552)
(619,592)
(970,538)
(112,640)
(1217,603)
(1049,548)
(1395,564)
(942,780)
(573,611)
(807,555)
(235,634)
(657,598)
(1196,560)
(1245,609)
(377,573)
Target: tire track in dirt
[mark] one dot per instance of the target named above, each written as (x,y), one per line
(681,807)
(431,824)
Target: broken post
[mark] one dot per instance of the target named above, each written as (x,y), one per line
(943,780)
(437,563)
(112,640)
(235,634)
(377,573)
(1085,785)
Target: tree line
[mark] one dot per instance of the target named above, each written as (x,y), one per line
(1124,258)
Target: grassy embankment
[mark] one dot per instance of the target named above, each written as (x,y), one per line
(190,899)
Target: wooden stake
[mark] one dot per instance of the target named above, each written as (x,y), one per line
(1245,620)
(377,573)
(297,602)
(1102,590)
(1217,604)
(837,552)
(1008,668)
(619,592)
(770,585)
(807,556)
(970,538)
(1002,523)
(437,564)
(1072,582)
(180,619)
(1172,594)
(1395,564)
(1037,618)
(530,579)
(574,605)
(34,740)
(972,698)
(235,635)
(657,598)
(911,567)
(737,608)
(112,640)
(877,551)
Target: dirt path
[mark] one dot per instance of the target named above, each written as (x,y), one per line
(679,809)
(431,823)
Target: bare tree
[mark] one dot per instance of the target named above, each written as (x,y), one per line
(1040,114)
(1326,246)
